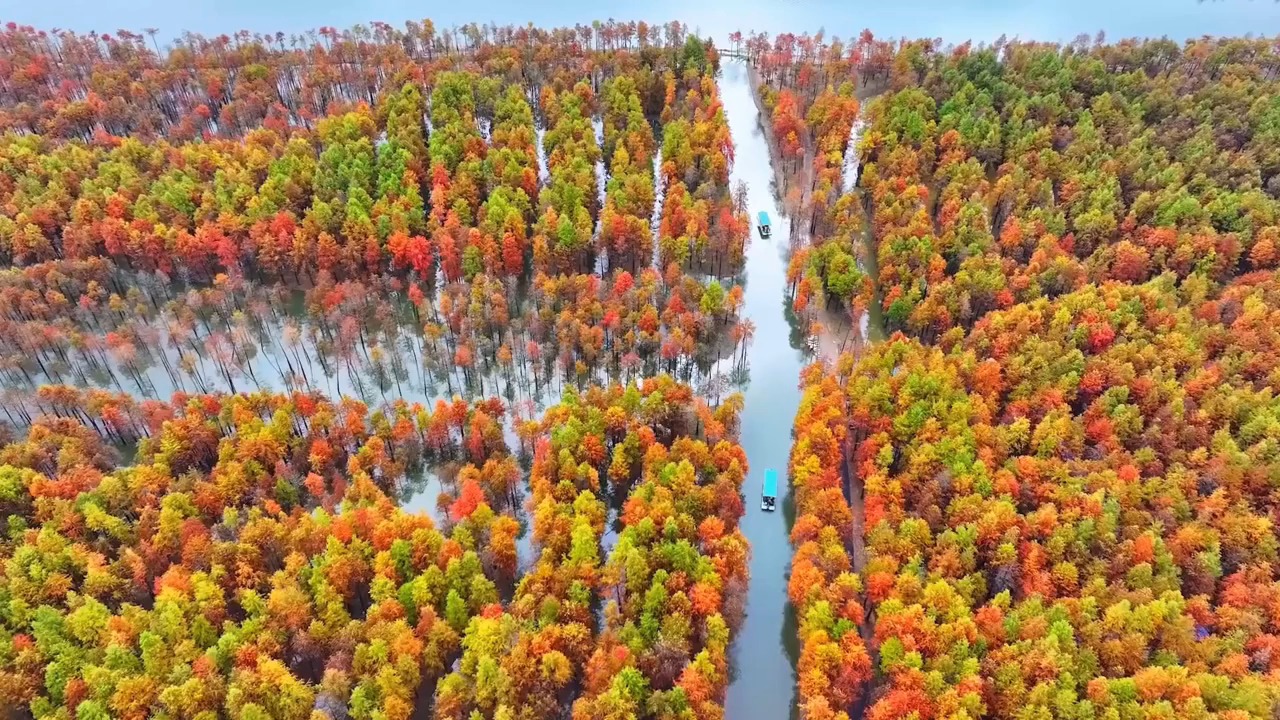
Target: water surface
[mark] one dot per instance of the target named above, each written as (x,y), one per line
(763,683)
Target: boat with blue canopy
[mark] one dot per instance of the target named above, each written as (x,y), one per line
(769,501)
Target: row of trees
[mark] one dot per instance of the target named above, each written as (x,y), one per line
(824,586)
(704,225)
(808,92)
(676,581)
(626,234)
(371,339)
(571,202)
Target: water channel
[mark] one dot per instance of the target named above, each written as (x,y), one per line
(763,677)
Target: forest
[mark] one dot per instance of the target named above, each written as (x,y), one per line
(382,373)
(1063,459)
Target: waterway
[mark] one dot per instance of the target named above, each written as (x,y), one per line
(763,676)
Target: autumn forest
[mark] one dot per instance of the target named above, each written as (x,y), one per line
(396,373)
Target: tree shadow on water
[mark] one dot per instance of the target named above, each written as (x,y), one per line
(791,645)
(790,622)
(796,337)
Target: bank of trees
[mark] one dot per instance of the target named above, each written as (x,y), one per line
(346,190)
(253,559)
(1060,455)
(69,85)
(808,91)
(992,184)
(548,648)
(426,210)
(826,592)
(385,215)
(704,225)
(1047,472)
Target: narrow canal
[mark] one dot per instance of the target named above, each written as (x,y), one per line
(763,682)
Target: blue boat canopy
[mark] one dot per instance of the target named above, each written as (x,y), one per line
(764,218)
(771,483)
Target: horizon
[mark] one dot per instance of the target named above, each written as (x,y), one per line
(974,21)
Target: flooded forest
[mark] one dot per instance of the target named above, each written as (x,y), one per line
(612,372)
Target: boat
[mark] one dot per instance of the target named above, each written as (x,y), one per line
(769,499)
(762,224)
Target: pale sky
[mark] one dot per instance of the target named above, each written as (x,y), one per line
(952,21)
